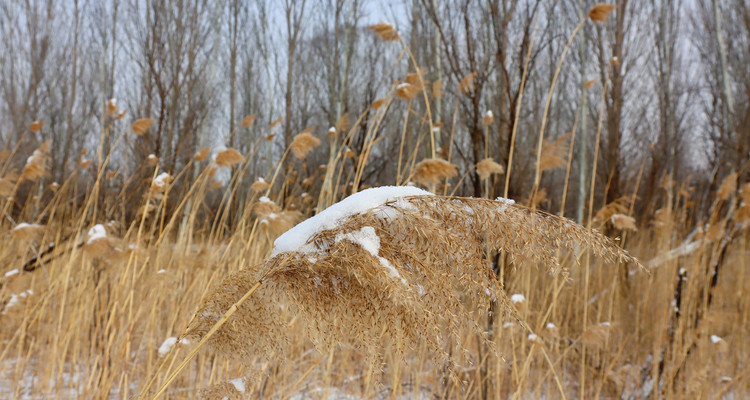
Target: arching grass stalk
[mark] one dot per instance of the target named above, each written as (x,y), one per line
(518,109)
(540,140)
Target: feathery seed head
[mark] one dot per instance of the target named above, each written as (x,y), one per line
(434,170)
(599,12)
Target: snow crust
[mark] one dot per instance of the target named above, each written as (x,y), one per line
(96,232)
(238,384)
(166,346)
(517,298)
(12,272)
(370,242)
(161,180)
(296,238)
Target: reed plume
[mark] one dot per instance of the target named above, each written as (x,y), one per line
(412,270)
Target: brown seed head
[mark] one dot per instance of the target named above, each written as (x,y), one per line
(303,144)
(112,108)
(260,185)
(623,222)
(377,104)
(466,85)
(407,90)
(554,153)
(434,170)
(487,167)
(140,126)
(385,31)
(275,122)
(202,154)
(599,12)
(36,126)
(228,157)
(248,120)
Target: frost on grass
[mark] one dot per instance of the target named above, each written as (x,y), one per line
(389,267)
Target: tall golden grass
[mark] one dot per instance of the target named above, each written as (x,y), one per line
(98,308)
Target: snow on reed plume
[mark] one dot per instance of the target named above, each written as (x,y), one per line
(411,270)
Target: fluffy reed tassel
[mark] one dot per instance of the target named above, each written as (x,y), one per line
(36,165)
(599,12)
(487,167)
(414,268)
(303,144)
(260,185)
(385,31)
(432,171)
(228,157)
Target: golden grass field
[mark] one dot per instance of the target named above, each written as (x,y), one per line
(90,317)
(89,320)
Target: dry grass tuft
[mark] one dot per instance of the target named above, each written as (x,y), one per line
(36,165)
(728,186)
(411,271)
(36,126)
(466,85)
(27,232)
(385,31)
(248,120)
(432,171)
(554,153)
(228,157)
(260,185)
(599,12)
(140,126)
(265,207)
(623,222)
(407,91)
(487,167)
(605,214)
(304,143)
(202,154)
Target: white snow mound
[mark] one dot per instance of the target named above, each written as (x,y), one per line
(297,237)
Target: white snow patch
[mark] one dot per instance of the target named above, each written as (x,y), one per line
(238,384)
(488,114)
(96,232)
(24,225)
(161,180)
(517,298)
(296,238)
(370,242)
(716,339)
(726,379)
(533,337)
(161,271)
(264,199)
(550,325)
(507,325)
(166,346)
(504,203)
(12,272)
(12,302)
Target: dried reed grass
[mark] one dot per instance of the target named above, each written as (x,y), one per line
(599,12)
(413,270)
(303,144)
(487,167)
(432,171)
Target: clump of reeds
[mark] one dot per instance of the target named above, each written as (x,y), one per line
(413,270)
